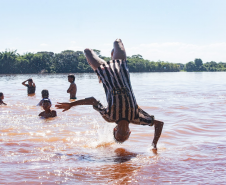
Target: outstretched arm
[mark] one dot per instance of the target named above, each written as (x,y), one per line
(158,130)
(1,102)
(86,101)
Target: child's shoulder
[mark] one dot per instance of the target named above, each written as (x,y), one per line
(54,113)
(42,113)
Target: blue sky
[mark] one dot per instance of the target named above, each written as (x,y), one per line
(169,30)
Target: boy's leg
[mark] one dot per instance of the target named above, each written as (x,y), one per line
(92,58)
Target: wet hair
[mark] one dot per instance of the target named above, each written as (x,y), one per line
(45,93)
(46,101)
(118,141)
(71,76)
(30,80)
(1,94)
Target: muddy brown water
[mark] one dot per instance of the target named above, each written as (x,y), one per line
(78,146)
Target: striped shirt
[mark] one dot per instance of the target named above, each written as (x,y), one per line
(119,94)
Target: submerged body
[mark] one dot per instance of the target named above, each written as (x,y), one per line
(30,86)
(48,113)
(45,95)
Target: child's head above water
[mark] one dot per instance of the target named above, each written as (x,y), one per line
(71,78)
(46,104)
(45,93)
(1,96)
(30,81)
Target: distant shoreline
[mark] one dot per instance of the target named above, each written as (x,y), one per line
(70,61)
(2,74)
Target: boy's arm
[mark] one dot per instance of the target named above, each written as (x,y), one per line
(33,84)
(75,90)
(1,102)
(40,103)
(158,130)
(86,101)
(69,89)
(23,83)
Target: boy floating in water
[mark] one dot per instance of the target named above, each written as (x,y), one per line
(1,98)
(122,107)
(72,89)
(45,95)
(30,86)
(48,113)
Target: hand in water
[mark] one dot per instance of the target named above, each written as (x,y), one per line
(65,106)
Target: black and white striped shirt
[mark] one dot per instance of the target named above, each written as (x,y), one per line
(119,93)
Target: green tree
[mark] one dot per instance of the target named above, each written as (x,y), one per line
(190,66)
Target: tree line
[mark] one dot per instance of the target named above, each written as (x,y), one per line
(69,61)
(198,65)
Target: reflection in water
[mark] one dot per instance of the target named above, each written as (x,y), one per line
(31,94)
(78,146)
(123,155)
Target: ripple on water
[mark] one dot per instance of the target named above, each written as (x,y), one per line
(78,145)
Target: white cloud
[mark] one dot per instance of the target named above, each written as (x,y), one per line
(43,44)
(75,48)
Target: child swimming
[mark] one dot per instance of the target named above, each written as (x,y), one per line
(30,86)
(48,113)
(1,98)
(73,88)
(45,95)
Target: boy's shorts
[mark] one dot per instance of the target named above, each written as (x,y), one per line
(143,117)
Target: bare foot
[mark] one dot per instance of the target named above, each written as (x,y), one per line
(154,148)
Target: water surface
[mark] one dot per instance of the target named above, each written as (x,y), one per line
(78,145)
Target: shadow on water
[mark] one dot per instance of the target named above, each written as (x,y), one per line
(121,156)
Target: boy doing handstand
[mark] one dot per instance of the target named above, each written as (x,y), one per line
(122,106)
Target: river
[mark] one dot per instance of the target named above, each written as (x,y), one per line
(78,146)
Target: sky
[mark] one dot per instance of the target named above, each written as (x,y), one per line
(176,31)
